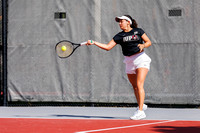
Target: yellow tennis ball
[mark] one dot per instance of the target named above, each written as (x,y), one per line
(64,48)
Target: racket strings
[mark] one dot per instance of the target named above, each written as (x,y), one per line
(64,53)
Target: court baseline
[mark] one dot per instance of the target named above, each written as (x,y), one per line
(114,128)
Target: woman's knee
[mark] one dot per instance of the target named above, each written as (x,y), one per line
(140,85)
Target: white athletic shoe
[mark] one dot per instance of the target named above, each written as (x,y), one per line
(138,115)
(144,107)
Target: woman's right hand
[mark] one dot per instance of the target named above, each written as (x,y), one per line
(90,42)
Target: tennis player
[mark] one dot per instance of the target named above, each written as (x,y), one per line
(133,41)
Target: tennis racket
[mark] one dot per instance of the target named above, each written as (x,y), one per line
(66,48)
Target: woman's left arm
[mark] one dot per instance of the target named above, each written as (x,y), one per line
(146,43)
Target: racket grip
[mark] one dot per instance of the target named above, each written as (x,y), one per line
(83,43)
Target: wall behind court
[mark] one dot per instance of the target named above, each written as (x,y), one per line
(35,73)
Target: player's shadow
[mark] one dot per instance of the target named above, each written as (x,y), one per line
(175,129)
(89,117)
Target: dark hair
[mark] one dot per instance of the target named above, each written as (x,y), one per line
(134,23)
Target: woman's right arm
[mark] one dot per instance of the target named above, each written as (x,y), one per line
(107,47)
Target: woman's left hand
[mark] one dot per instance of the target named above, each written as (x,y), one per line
(141,47)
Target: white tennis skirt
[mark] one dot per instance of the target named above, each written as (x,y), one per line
(140,60)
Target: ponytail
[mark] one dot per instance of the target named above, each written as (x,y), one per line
(134,23)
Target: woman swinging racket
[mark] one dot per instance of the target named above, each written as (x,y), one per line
(131,39)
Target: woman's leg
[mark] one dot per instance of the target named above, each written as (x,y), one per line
(137,81)
(141,75)
(133,80)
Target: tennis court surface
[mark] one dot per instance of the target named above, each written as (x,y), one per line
(96,120)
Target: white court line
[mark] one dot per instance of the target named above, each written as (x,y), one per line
(114,128)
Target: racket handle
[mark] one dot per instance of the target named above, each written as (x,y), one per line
(83,43)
